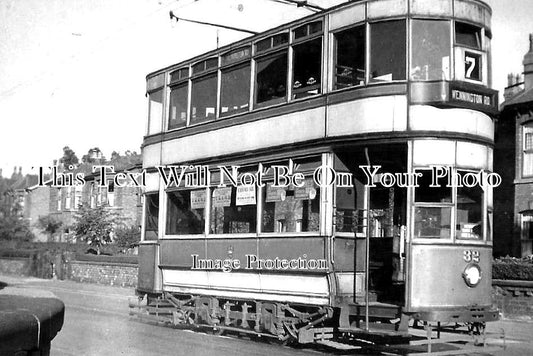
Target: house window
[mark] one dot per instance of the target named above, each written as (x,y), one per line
(178,106)
(430,57)
(350,57)
(59,197)
(185,212)
(78,191)
(527,151)
(307,72)
(526,234)
(387,51)
(111,194)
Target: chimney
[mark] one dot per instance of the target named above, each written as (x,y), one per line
(514,86)
(528,66)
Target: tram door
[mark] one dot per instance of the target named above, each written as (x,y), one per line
(379,211)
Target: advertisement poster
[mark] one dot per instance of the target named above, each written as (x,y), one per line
(266,177)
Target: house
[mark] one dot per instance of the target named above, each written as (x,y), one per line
(513,160)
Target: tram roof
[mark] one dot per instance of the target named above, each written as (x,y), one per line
(266,33)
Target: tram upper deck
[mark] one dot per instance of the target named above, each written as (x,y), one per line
(365,69)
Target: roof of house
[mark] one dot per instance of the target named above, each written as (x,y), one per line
(524,97)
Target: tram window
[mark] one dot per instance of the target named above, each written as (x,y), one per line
(185,212)
(151,223)
(469,219)
(203,99)
(350,59)
(349,208)
(467,35)
(155,114)
(307,68)
(233,210)
(178,107)
(387,51)
(271,81)
(235,90)
(433,222)
(430,57)
(291,209)
(424,193)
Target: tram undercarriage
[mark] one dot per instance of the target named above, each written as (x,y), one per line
(338,328)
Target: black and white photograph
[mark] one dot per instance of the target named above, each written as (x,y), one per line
(266,177)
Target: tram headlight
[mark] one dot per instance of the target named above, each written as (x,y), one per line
(472,275)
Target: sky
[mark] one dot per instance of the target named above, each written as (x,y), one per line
(72,72)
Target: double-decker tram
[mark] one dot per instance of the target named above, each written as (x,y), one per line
(328,177)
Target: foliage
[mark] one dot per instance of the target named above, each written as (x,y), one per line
(94,226)
(49,225)
(69,157)
(127,237)
(13,226)
(94,155)
(512,268)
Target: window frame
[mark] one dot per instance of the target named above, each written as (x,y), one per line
(525,127)
(212,73)
(333,66)
(460,51)
(369,24)
(227,67)
(279,51)
(188,236)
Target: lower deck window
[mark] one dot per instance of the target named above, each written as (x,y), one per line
(291,209)
(151,222)
(233,210)
(469,222)
(185,212)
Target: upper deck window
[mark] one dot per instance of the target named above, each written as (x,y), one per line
(271,78)
(307,30)
(178,106)
(350,57)
(387,51)
(469,59)
(155,111)
(467,35)
(272,42)
(430,56)
(203,98)
(179,74)
(235,82)
(307,59)
(206,65)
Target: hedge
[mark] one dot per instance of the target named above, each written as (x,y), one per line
(512,268)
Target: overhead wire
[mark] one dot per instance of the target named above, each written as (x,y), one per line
(164,6)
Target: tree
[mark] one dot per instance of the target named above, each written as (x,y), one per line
(49,225)
(13,226)
(94,155)
(94,226)
(69,157)
(127,237)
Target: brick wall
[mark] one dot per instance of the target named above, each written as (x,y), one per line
(14,266)
(514,299)
(115,274)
